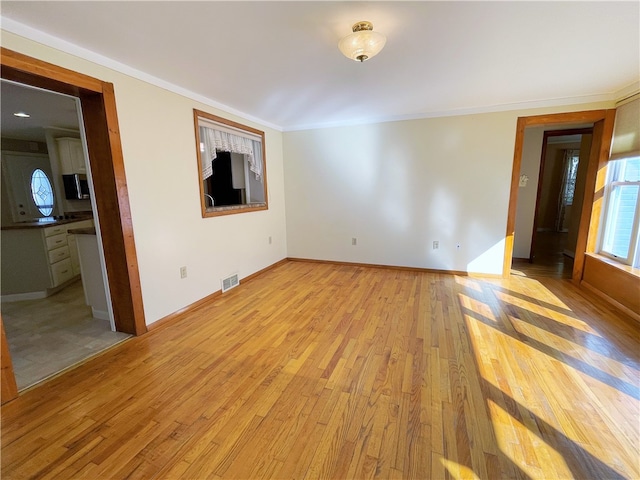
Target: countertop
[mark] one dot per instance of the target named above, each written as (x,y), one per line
(45,222)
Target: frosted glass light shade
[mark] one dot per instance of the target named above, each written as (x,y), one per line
(363,43)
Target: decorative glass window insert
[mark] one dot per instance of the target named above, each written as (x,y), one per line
(621,212)
(42,192)
(231,166)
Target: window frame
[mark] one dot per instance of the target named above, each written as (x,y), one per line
(633,254)
(208,211)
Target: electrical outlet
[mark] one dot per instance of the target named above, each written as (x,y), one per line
(183,272)
(354,241)
(436,244)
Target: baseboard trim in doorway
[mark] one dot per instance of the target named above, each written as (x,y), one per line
(19,297)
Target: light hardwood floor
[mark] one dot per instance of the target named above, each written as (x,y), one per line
(325,371)
(549,259)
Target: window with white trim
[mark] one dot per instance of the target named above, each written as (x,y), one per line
(620,221)
(621,212)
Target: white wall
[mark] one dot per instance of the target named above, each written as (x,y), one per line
(399,186)
(158,143)
(526,207)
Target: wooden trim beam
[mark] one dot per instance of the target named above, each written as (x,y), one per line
(513,197)
(112,203)
(37,73)
(593,192)
(9,387)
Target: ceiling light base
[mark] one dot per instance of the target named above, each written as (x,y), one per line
(358,27)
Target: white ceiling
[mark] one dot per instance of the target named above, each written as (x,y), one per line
(47,109)
(279,62)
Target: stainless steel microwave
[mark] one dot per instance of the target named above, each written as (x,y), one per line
(76,186)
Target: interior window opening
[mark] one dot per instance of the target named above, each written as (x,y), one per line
(232,166)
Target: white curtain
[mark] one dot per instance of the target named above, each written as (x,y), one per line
(569,176)
(213,140)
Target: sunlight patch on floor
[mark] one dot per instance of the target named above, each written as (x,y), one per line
(567,318)
(572,349)
(457,471)
(524,448)
(522,357)
(469,283)
(477,307)
(527,287)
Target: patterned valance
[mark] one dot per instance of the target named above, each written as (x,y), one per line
(213,140)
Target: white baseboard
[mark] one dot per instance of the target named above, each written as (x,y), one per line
(19,297)
(39,295)
(100,314)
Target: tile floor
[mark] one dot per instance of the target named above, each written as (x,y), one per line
(46,336)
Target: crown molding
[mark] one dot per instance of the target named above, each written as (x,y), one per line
(627,92)
(51,41)
(46,39)
(530,105)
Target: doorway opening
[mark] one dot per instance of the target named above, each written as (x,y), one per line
(558,205)
(99,117)
(523,200)
(55,304)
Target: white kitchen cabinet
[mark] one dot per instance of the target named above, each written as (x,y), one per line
(58,254)
(55,239)
(56,230)
(35,261)
(61,272)
(92,279)
(71,155)
(73,244)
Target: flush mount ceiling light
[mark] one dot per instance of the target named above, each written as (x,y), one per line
(21,115)
(363,43)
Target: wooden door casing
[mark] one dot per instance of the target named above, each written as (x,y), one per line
(106,160)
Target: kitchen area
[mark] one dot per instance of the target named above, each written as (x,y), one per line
(55,304)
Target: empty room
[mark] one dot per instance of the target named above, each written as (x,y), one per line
(315,239)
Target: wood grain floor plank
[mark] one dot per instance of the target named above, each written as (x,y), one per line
(315,370)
